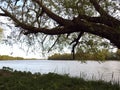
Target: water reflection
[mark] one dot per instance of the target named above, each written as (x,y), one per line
(108,71)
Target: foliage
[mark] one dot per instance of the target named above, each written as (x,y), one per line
(60,57)
(99,55)
(63,21)
(6,57)
(90,47)
(26,81)
(118,54)
(90,43)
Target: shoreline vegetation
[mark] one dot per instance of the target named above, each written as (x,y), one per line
(96,56)
(66,56)
(17,80)
(6,57)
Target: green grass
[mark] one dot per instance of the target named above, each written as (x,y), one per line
(16,80)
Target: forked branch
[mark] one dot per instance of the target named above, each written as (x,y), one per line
(76,41)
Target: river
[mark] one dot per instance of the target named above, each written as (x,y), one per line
(108,70)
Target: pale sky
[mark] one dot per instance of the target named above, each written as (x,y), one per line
(14,50)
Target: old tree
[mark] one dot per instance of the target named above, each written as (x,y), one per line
(64,18)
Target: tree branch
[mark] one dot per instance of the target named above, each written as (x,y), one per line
(31,29)
(98,8)
(105,17)
(77,25)
(99,30)
(112,22)
(54,43)
(2,14)
(52,15)
(76,42)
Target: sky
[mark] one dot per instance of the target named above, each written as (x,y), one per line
(14,50)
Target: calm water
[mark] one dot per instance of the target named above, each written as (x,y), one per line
(108,71)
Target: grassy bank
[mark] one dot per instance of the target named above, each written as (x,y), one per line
(10,80)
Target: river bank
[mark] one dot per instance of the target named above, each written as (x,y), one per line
(17,80)
(107,71)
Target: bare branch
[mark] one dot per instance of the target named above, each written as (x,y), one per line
(44,39)
(42,42)
(16,2)
(76,41)
(54,43)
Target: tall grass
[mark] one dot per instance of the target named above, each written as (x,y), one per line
(16,80)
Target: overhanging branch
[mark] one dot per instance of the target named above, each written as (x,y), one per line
(75,25)
(105,17)
(102,20)
(31,29)
(52,15)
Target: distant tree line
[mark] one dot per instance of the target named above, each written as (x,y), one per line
(6,57)
(100,55)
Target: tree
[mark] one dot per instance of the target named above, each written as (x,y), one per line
(65,17)
(93,48)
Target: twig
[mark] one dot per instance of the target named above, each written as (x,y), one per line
(54,43)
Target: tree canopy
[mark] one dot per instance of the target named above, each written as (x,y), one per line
(71,18)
